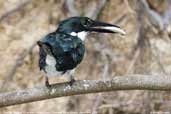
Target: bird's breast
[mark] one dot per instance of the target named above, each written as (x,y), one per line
(66,52)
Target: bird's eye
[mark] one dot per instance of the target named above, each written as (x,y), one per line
(87,22)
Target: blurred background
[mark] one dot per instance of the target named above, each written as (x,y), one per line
(146,49)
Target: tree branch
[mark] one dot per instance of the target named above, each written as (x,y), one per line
(129,82)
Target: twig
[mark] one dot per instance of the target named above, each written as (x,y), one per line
(17,8)
(140,36)
(154,17)
(94,11)
(18,63)
(69,4)
(114,105)
(96,104)
(128,82)
(133,61)
(157,58)
(167,17)
(161,22)
(128,7)
(105,71)
(99,97)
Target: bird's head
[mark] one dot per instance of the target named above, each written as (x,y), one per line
(80,26)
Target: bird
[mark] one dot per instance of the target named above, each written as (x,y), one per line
(61,51)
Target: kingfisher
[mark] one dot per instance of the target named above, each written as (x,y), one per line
(61,51)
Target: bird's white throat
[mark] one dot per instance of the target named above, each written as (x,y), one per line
(82,35)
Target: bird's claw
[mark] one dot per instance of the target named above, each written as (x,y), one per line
(71,82)
(47,84)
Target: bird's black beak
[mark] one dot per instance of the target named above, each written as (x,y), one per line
(97,26)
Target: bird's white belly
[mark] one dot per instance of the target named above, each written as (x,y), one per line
(51,71)
(50,67)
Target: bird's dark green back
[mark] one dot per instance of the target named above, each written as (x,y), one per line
(68,50)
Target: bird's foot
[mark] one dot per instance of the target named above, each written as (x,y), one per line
(47,83)
(71,82)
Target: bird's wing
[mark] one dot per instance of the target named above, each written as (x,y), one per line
(42,57)
(71,45)
(68,51)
